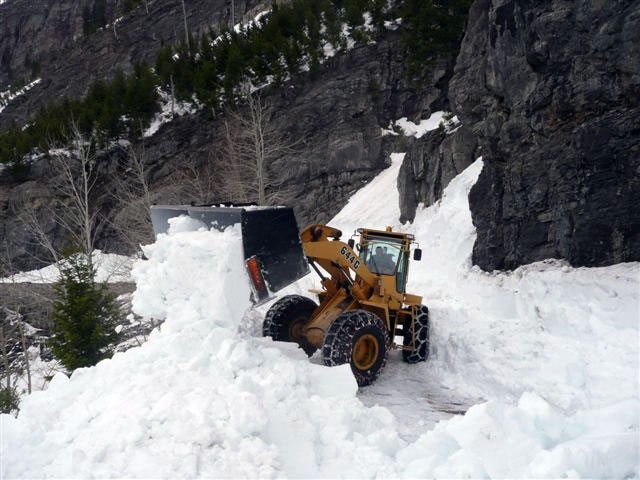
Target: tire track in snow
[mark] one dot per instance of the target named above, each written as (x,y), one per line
(417,401)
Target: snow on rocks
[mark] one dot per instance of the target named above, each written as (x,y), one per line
(411,129)
(170,108)
(8,96)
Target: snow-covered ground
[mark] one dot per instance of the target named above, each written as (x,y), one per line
(110,268)
(548,353)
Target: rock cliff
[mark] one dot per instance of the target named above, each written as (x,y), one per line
(45,40)
(551,90)
(338,112)
(547,92)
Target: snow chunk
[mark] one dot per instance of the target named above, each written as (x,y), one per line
(532,439)
(412,130)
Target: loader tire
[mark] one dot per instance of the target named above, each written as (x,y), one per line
(421,352)
(360,338)
(285,319)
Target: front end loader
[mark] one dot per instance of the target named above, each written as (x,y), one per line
(362,304)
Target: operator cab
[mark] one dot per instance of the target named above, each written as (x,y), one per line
(381,256)
(386,253)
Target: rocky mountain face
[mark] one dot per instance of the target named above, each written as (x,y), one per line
(45,40)
(546,92)
(549,94)
(334,116)
(551,91)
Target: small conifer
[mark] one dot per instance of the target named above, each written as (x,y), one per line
(84,316)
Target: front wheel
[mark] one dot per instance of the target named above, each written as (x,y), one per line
(360,338)
(421,328)
(286,318)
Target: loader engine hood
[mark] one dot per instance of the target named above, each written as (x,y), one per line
(270,238)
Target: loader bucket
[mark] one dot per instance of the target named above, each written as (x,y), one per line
(272,250)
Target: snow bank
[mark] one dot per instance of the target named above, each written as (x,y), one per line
(528,440)
(560,331)
(553,350)
(198,399)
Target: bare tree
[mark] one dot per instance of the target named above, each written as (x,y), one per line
(251,144)
(75,185)
(25,352)
(134,198)
(186,27)
(5,357)
(197,182)
(20,302)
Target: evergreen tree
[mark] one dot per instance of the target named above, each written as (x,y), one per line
(93,16)
(84,316)
(141,98)
(433,28)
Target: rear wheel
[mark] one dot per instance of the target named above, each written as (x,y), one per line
(286,318)
(361,339)
(421,325)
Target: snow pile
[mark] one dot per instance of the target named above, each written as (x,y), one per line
(529,440)
(198,400)
(553,350)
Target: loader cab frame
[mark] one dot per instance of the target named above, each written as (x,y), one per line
(394,250)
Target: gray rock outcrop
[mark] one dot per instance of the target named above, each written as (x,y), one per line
(337,112)
(45,40)
(552,92)
(430,164)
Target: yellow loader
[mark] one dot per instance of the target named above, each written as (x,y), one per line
(363,305)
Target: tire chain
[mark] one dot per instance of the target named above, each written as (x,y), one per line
(421,353)
(337,348)
(277,309)
(270,325)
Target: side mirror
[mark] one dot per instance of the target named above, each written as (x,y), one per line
(417,254)
(351,242)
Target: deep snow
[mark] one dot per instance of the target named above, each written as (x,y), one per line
(552,351)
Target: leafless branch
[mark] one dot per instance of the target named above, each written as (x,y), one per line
(251,143)
(134,198)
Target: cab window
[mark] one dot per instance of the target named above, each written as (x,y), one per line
(401,275)
(381,257)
